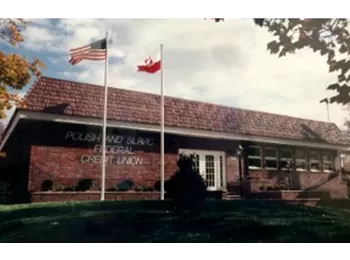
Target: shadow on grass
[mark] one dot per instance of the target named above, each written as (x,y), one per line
(63,208)
(153,221)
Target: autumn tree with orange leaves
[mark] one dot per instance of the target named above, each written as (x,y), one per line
(15,71)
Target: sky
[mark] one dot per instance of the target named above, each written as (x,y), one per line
(222,63)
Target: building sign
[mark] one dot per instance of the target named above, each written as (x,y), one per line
(119,148)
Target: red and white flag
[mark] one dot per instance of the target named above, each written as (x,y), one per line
(150,66)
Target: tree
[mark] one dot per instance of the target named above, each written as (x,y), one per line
(186,188)
(327,37)
(15,71)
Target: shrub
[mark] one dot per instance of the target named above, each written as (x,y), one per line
(186,188)
(262,188)
(47,185)
(69,188)
(147,188)
(125,185)
(84,185)
(138,188)
(157,185)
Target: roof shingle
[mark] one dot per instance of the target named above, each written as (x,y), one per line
(80,99)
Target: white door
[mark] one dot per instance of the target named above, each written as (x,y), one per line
(211,165)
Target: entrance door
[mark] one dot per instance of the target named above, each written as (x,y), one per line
(211,166)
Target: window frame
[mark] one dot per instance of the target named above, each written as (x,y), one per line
(326,161)
(217,166)
(319,153)
(255,157)
(285,159)
(270,158)
(305,159)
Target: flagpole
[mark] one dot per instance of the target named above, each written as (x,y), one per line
(103,175)
(162,123)
(328,111)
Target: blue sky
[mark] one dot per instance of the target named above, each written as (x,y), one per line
(223,63)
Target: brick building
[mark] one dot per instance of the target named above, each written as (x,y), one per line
(57,138)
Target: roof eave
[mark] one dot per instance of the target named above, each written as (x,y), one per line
(49,117)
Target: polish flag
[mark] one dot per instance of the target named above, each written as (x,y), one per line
(150,66)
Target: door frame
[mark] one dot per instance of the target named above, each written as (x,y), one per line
(216,155)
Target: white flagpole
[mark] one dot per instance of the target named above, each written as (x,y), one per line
(328,110)
(103,175)
(162,123)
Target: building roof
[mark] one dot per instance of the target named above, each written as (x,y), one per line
(86,100)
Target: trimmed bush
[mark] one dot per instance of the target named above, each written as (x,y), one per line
(186,188)
(146,188)
(125,185)
(47,185)
(69,188)
(84,185)
(157,185)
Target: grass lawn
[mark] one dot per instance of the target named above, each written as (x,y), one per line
(153,221)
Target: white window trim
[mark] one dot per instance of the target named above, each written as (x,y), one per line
(305,159)
(271,158)
(331,162)
(286,159)
(217,155)
(255,157)
(311,161)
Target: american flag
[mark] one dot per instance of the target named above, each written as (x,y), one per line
(93,51)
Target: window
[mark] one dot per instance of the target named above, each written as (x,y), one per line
(210,170)
(196,161)
(270,155)
(211,166)
(300,160)
(254,157)
(315,161)
(286,159)
(327,162)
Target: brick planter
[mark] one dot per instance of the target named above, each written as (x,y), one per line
(92,195)
(289,194)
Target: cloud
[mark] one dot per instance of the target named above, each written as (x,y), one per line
(225,63)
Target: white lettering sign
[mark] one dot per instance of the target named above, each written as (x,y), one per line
(97,159)
(115,139)
(119,149)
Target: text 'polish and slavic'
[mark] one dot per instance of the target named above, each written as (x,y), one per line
(119,148)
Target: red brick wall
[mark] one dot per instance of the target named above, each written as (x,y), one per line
(63,166)
(75,196)
(300,180)
(232,173)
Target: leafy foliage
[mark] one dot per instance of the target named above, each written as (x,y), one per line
(84,185)
(186,188)
(327,37)
(47,185)
(125,185)
(15,71)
